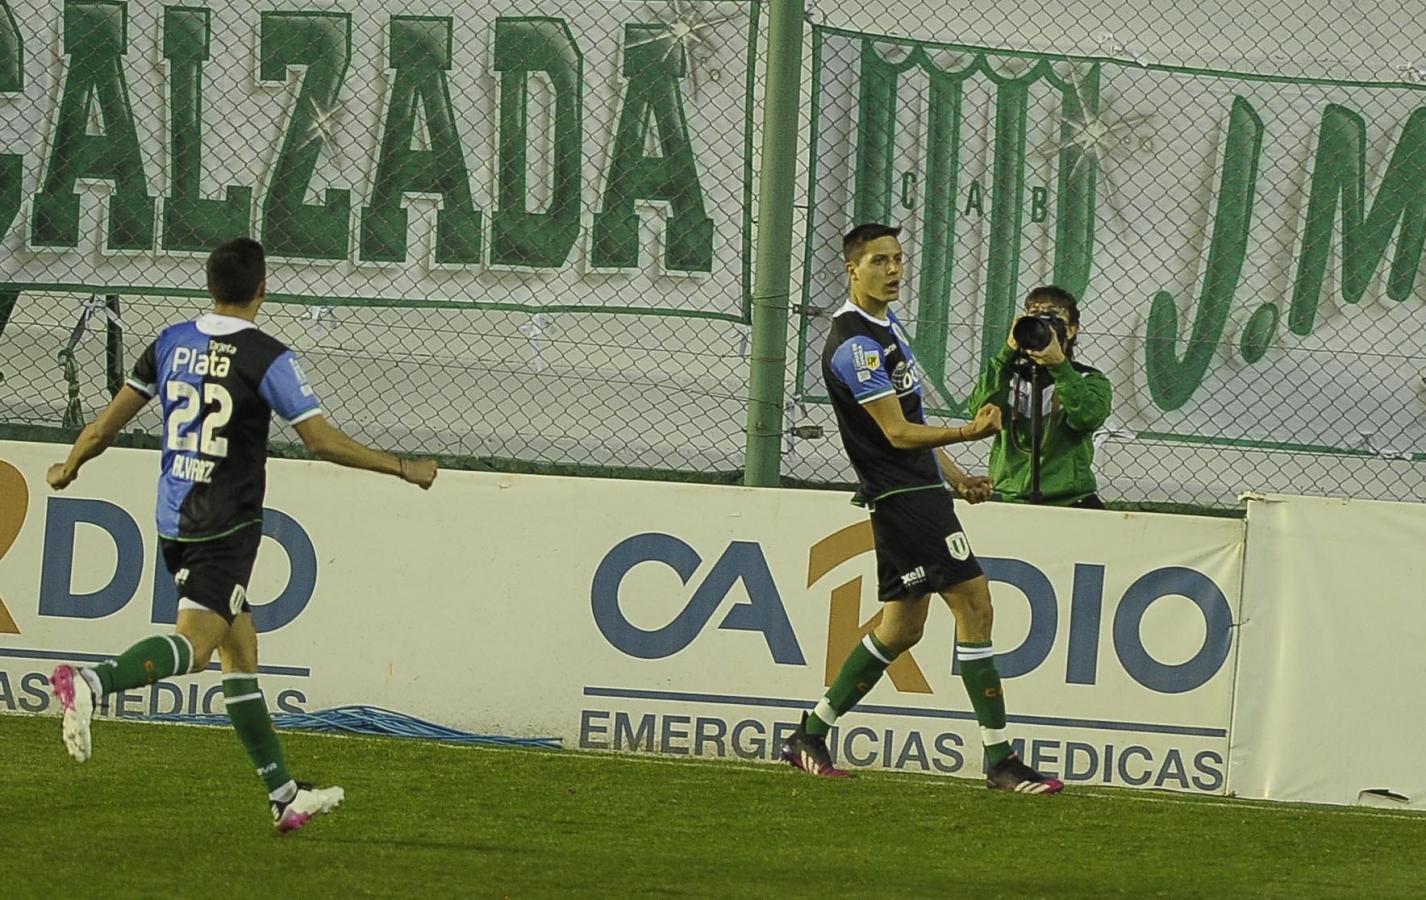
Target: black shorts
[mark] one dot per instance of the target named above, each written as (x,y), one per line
(920,545)
(214,574)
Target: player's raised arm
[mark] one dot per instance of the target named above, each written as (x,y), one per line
(328,442)
(286,390)
(97,435)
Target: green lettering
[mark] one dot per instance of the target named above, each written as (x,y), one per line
(12,80)
(1258,335)
(1039,204)
(191,222)
(1340,171)
(1173,381)
(908,190)
(518,235)
(974,200)
(420,53)
(95,39)
(1007,213)
(12,52)
(1078,177)
(653,66)
(321,41)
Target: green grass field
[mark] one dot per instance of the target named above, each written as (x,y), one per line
(171,811)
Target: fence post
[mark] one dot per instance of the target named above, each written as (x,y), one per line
(772,278)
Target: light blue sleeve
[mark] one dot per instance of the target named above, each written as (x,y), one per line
(860,364)
(286,390)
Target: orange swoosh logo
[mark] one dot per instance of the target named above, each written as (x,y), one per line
(14,503)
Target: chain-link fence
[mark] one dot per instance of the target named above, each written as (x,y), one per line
(494,230)
(524,234)
(1234,190)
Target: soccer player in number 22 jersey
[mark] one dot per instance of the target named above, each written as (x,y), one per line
(219,379)
(921,548)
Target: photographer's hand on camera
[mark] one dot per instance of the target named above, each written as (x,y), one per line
(1050,356)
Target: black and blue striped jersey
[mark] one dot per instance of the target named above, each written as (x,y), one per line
(219,379)
(866,359)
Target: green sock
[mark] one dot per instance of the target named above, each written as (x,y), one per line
(151,659)
(248,712)
(859,674)
(982,682)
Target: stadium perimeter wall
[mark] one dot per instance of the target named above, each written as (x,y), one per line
(695,620)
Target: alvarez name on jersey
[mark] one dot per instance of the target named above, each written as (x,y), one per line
(219,379)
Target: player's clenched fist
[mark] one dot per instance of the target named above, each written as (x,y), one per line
(58,477)
(974,488)
(419,472)
(986,422)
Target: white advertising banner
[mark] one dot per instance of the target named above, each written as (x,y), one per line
(682,619)
(571,154)
(1331,706)
(1241,243)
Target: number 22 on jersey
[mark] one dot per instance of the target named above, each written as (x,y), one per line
(215,405)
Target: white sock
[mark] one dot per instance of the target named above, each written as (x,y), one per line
(92,679)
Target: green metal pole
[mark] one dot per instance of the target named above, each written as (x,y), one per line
(772,281)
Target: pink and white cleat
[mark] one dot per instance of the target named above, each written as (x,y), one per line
(309,802)
(76,704)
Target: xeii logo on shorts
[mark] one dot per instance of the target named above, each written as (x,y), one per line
(959,546)
(915,576)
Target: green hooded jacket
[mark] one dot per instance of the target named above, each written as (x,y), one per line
(1082,398)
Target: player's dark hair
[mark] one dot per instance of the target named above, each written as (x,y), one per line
(855,241)
(236,270)
(1053,293)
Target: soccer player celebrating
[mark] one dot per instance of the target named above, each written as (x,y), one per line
(921,549)
(219,379)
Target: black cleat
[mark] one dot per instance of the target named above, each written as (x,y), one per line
(809,753)
(1010,774)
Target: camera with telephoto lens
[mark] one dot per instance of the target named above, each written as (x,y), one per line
(1032,333)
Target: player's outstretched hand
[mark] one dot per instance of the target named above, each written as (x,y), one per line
(974,488)
(986,423)
(58,478)
(419,472)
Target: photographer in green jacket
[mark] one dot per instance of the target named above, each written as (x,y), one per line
(1075,402)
